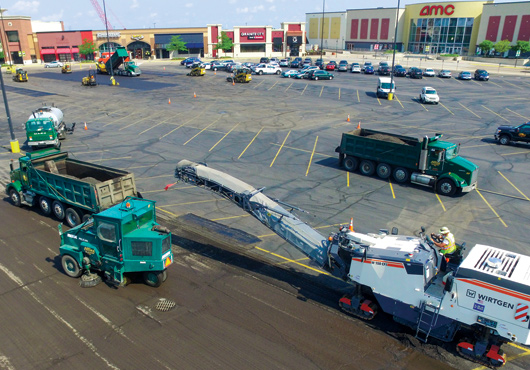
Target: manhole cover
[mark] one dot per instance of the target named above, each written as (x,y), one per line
(165,305)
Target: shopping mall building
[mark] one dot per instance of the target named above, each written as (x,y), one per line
(430,28)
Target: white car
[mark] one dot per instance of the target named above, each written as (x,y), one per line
(284,63)
(429,95)
(53,64)
(355,68)
(267,69)
(429,72)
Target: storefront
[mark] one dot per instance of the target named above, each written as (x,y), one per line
(194,44)
(62,45)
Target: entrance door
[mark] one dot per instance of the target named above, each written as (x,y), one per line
(110,249)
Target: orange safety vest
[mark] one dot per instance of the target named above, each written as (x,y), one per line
(450,247)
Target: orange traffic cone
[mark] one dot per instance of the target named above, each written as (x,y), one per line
(86,128)
(215,72)
(351,225)
(169,101)
(233,82)
(359,125)
(194,95)
(164,68)
(348,120)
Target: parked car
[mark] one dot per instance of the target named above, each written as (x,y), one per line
(268,69)
(444,73)
(369,70)
(319,63)
(307,62)
(296,63)
(506,134)
(188,60)
(264,60)
(343,66)
(464,75)
(54,64)
(429,95)
(415,73)
(481,74)
(384,70)
(217,65)
(248,64)
(331,66)
(429,72)
(290,73)
(355,68)
(400,71)
(275,60)
(383,64)
(206,65)
(365,65)
(284,63)
(318,74)
(304,72)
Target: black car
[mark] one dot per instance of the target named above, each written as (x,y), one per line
(482,74)
(384,70)
(319,63)
(308,62)
(415,73)
(296,63)
(505,134)
(264,60)
(189,60)
(399,71)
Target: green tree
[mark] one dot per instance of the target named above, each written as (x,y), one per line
(486,46)
(502,46)
(225,44)
(177,44)
(88,48)
(523,46)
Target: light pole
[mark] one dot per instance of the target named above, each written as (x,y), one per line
(394,53)
(108,42)
(4,33)
(336,46)
(322,31)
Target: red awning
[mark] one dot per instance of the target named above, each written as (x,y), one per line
(75,50)
(47,51)
(63,50)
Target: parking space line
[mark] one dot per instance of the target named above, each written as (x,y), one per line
(292,261)
(469,110)
(194,202)
(339,93)
(457,80)
(204,129)
(305,150)
(134,123)
(316,228)
(395,96)
(289,86)
(312,154)
(378,100)
(509,83)
(495,113)
(526,118)
(272,85)
(299,259)
(232,129)
(302,93)
(515,187)
(497,193)
(251,141)
(495,212)
(229,217)
(321,92)
(110,159)
(158,124)
(279,150)
(491,82)
(259,83)
(476,146)
(446,108)
(348,179)
(176,128)
(391,189)
(476,82)
(358,99)
(423,106)
(439,200)
(525,152)
(118,119)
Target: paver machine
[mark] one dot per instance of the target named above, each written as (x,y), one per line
(487,293)
(197,69)
(66,68)
(89,80)
(20,75)
(241,75)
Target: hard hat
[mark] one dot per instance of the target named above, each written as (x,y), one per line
(444,230)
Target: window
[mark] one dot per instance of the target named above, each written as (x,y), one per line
(142,249)
(12,36)
(107,232)
(438,22)
(166,244)
(445,22)
(469,22)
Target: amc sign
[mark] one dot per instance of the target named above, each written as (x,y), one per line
(437,10)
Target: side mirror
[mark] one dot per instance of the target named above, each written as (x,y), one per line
(394,231)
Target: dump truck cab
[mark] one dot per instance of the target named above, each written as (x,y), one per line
(120,240)
(41,132)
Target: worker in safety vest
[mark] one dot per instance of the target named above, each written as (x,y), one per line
(445,241)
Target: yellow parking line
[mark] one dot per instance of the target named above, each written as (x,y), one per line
(446,108)
(378,100)
(348,179)
(134,123)
(495,113)
(526,152)
(321,91)
(476,82)
(491,82)
(228,218)
(304,150)
(358,99)
(109,159)
(292,261)
(439,200)
(299,259)
(392,189)
(339,93)
(118,119)
(232,129)
(312,154)
(163,210)
(289,86)
(515,187)
(457,80)
(501,194)
(423,106)
(204,129)
(153,177)
(475,146)
(395,96)
(259,83)
(469,110)
(279,150)
(251,141)
(316,228)
(195,202)
(496,214)
(509,83)
(526,118)
(272,85)
(302,93)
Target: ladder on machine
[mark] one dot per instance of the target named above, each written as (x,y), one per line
(427,320)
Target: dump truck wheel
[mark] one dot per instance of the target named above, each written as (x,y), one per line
(72,217)
(58,210)
(153,278)
(384,170)
(70,266)
(401,175)
(446,187)
(367,168)
(15,197)
(86,216)
(351,163)
(45,206)
(164,275)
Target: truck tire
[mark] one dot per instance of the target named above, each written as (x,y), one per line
(153,278)
(383,170)
(504,140)
(351,163)
(367,167)
(14,195)
(446,187)
(58,210)
(401,175)
(70,266)
(72,217)
(45,206)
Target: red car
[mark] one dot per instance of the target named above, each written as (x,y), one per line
(331,66)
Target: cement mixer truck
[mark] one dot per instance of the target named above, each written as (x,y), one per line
(45,127)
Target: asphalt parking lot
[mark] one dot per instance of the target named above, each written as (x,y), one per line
(281,134)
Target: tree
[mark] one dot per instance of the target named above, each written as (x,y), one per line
(225,44)
(88,48)
(177,44)
(522,46)
(502,46)
(485,46)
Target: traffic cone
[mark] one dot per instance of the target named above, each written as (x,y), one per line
(215,72)
(164,68)
(348,120)
(169,101)
(351,225)
(194,95)
(86,128)
(359,125)
(233,82)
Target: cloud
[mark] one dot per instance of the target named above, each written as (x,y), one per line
(24,7)
(269,1)
(152,15)
(272,8)
(254,9)
(232,1)
(135,4)
(53,17)
(188,5)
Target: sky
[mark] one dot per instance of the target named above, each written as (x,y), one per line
(131,14)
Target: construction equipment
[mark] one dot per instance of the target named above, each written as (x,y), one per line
(118,58)
(197,69)
(20,75)
(11,69)
(430,162)
(241,75)
(70,189)
(89,80)
(404,276)
(45,127)
(121,240)
(66,68)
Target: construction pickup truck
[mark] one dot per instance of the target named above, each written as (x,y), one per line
(45,127)
(429,162)
(507,134)
(70,189)
(119,57)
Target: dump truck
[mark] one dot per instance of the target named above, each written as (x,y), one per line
(428,162)
(117,242)
(70,189)
(45,127)
(118,58)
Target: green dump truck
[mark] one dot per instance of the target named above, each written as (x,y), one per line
(45,127)
(70,189)
(120,241)
(113,62)
(427,162)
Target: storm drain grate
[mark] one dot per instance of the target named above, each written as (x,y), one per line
(165,305)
